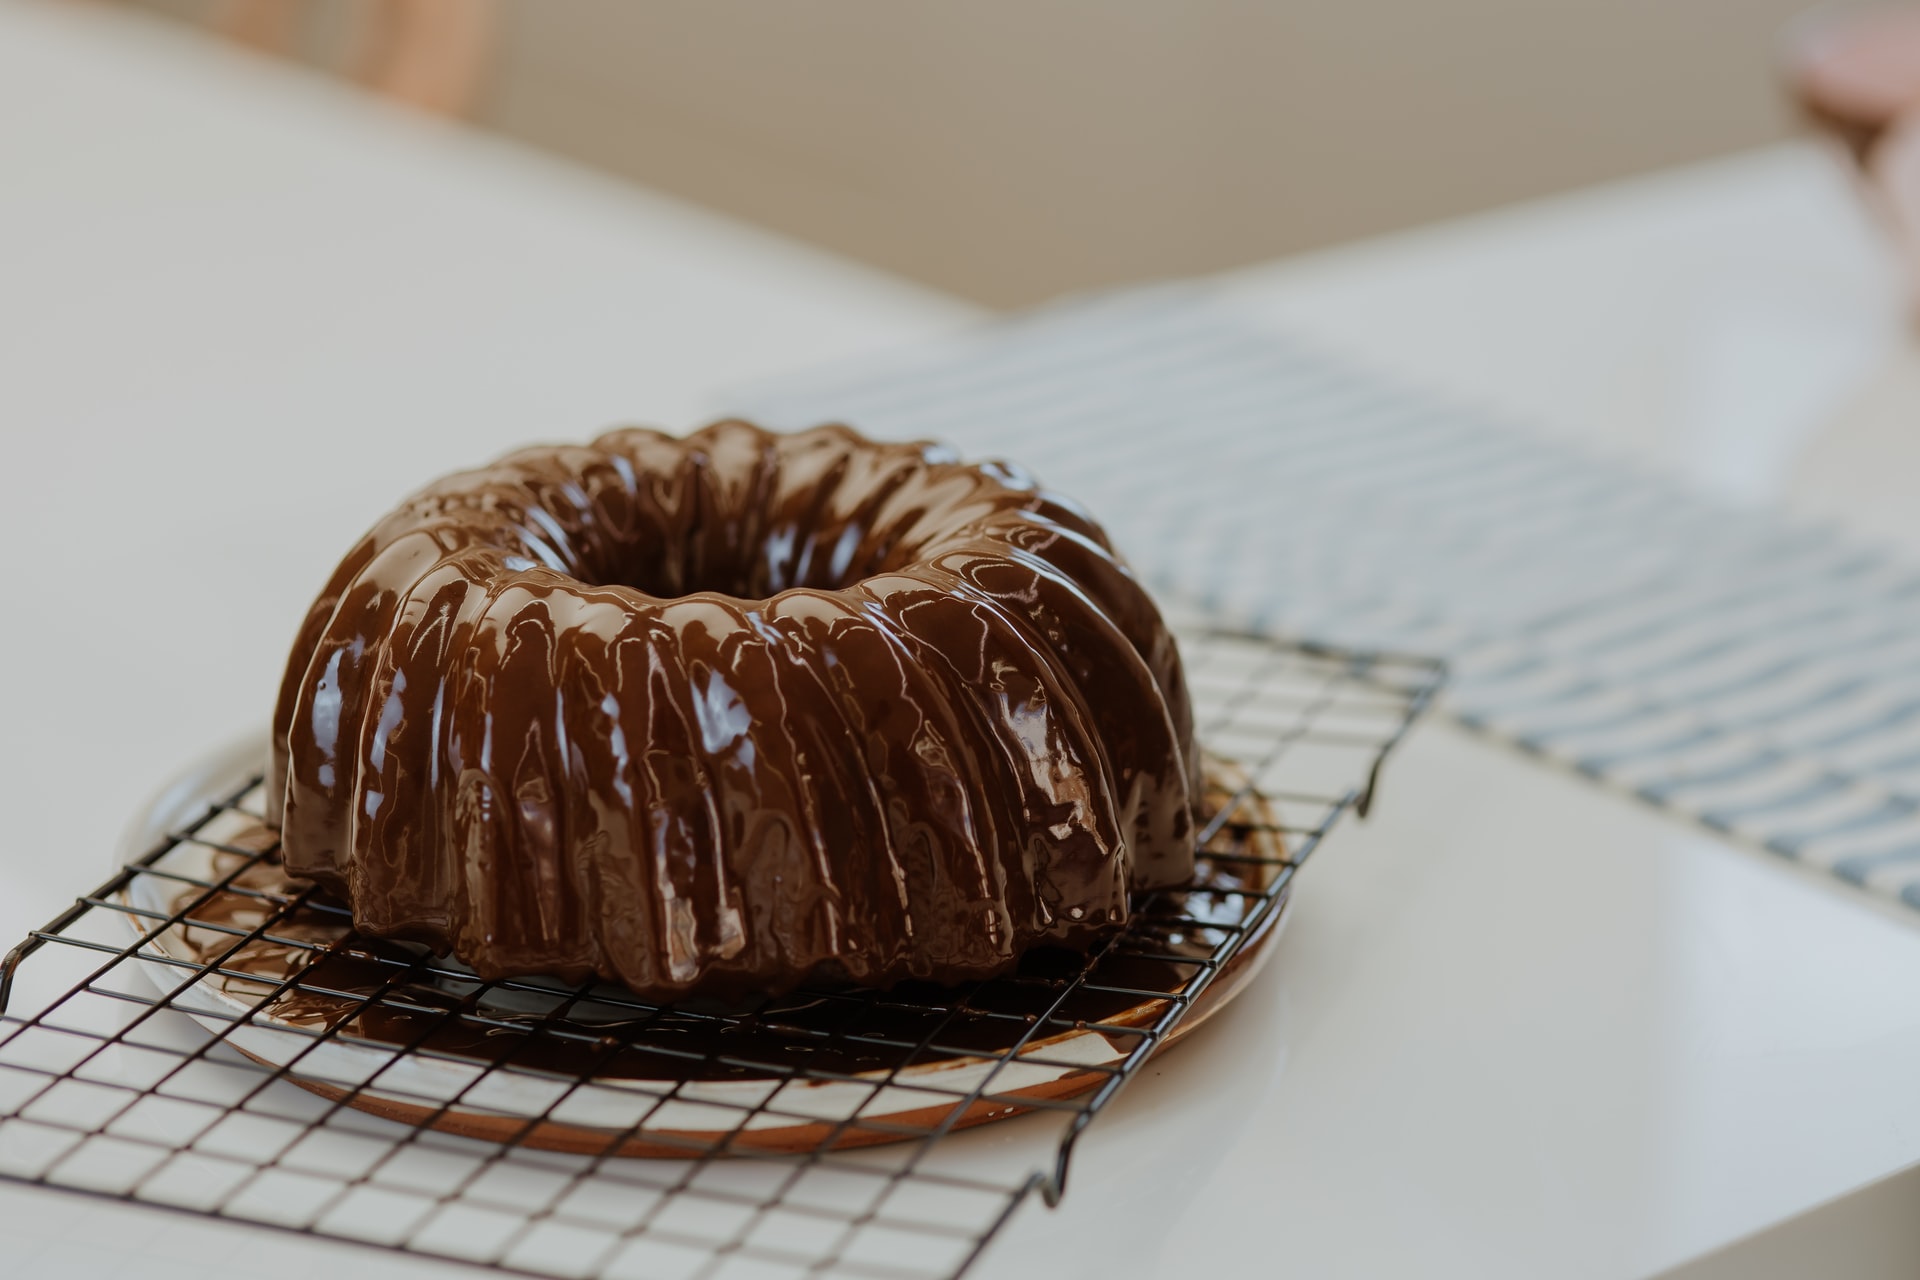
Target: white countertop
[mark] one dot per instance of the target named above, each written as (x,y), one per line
(1518,1027)
(1738,323)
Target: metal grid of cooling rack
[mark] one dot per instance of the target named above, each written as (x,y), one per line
(119,1077)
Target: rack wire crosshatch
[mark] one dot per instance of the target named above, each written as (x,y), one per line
(136,1070)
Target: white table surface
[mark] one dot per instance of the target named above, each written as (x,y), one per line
(1519,1027)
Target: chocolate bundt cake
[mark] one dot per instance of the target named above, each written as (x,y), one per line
(732,712)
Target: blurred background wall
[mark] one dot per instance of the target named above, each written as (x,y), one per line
(1009,150)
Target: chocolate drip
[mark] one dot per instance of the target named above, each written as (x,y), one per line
(733,712)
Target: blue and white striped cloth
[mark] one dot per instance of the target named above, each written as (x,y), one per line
(1757,675)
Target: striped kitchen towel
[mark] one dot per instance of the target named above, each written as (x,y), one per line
(1757,675)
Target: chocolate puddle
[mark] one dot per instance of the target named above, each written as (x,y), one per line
(395,994)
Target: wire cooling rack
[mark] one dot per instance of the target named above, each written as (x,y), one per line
(134,1071)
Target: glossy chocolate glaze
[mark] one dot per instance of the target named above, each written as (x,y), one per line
(730,712)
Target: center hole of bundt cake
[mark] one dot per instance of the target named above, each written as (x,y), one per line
(745,564)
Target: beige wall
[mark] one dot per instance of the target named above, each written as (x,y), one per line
(1012,149)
